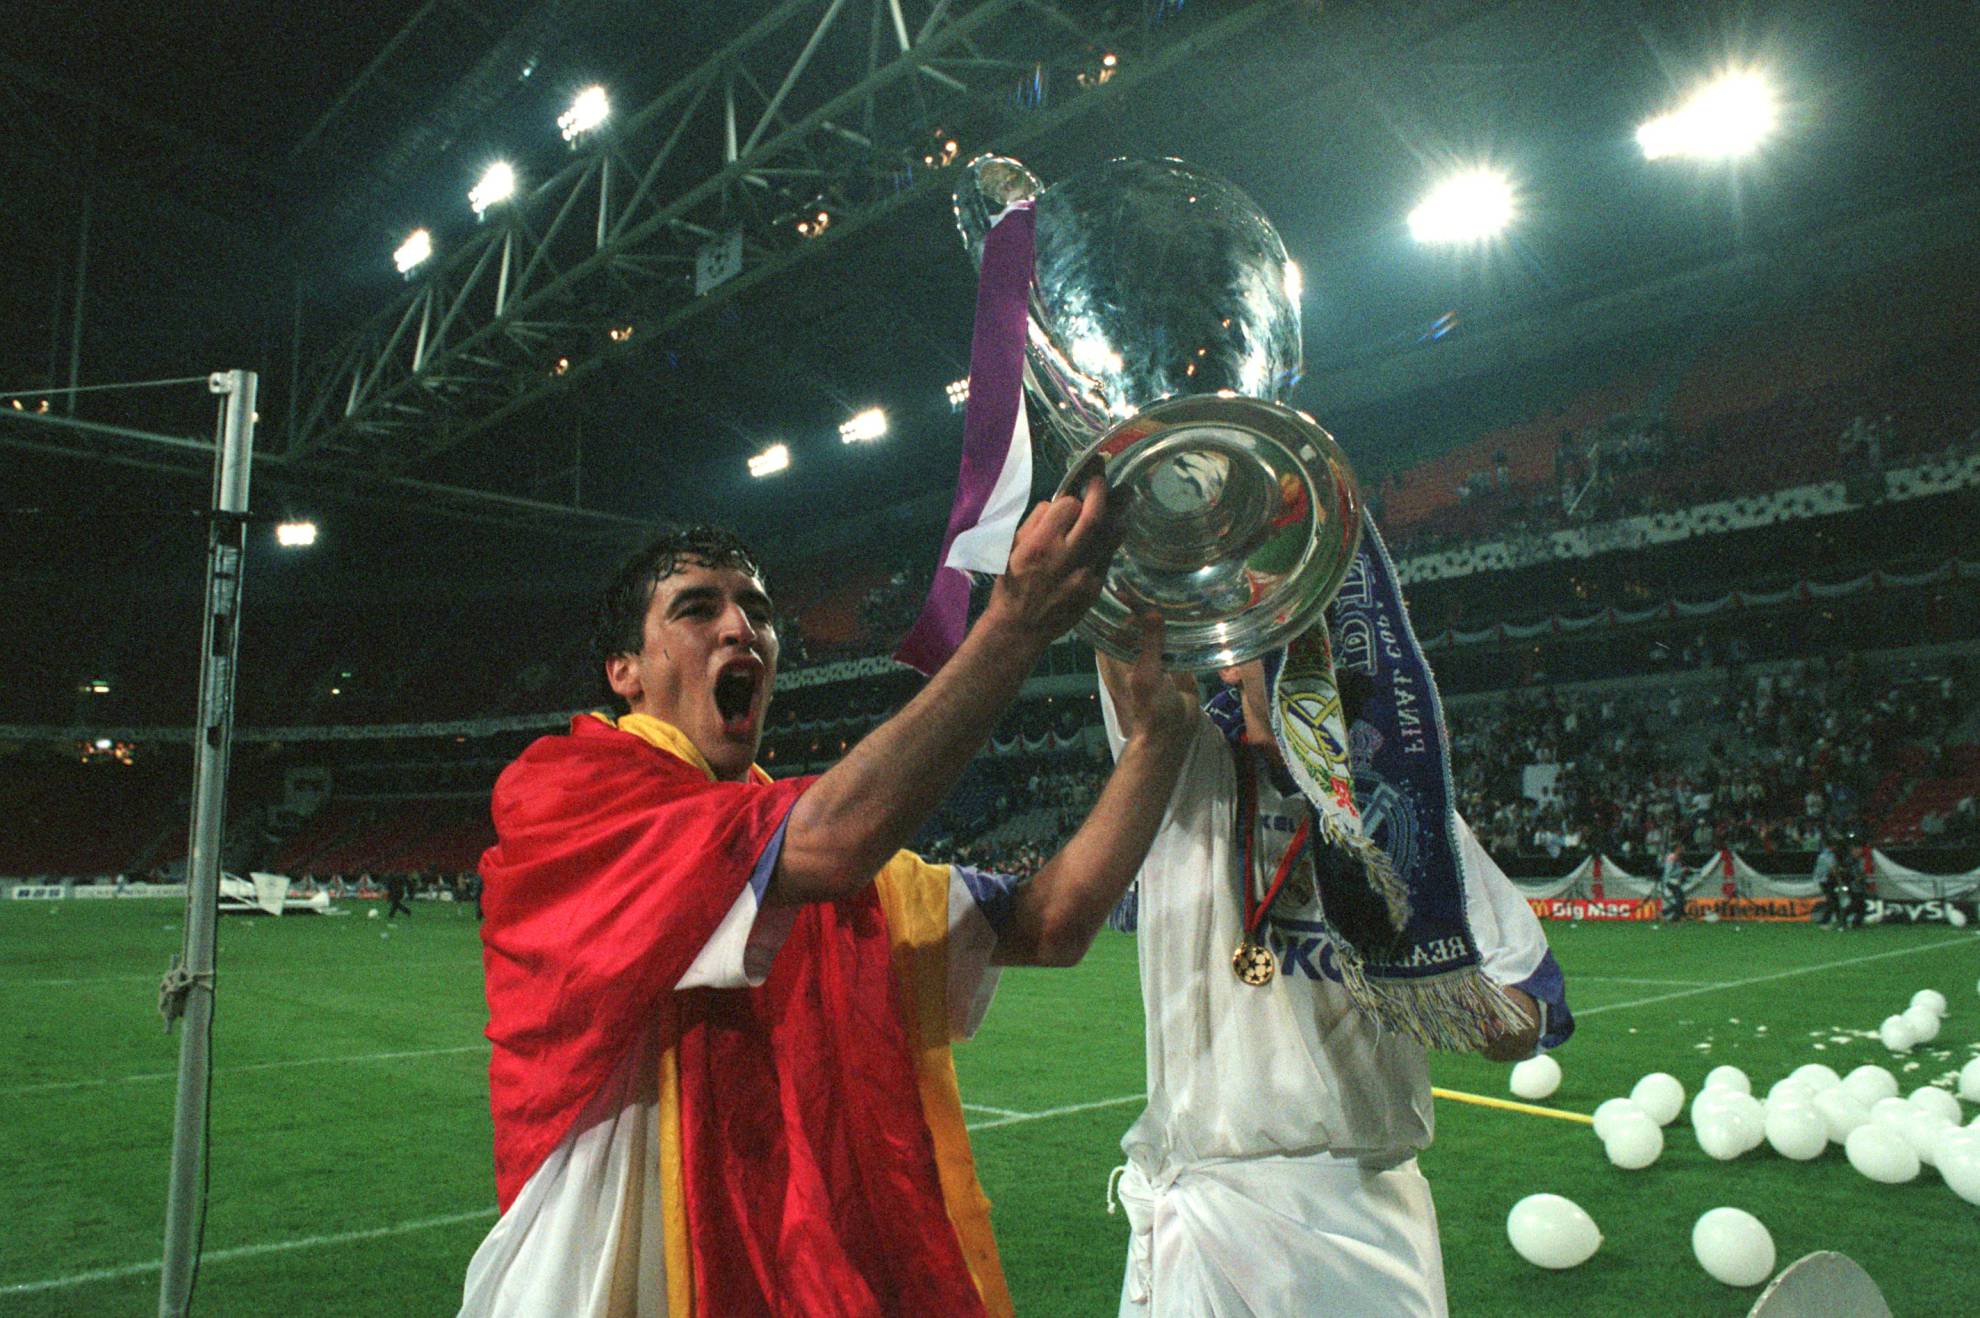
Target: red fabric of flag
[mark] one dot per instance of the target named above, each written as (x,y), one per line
(810,1177)
(614,866)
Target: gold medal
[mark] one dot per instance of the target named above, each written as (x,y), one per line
(1254,963)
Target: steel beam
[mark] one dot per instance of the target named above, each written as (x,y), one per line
(390,399)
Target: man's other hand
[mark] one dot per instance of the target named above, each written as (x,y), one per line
(1148,701)
(1516,1045)
(1058,563)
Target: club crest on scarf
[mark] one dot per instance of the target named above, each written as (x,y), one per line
(1389,869)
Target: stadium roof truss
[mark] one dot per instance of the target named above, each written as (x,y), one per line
(646,227)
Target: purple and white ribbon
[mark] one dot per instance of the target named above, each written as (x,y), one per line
(995,481)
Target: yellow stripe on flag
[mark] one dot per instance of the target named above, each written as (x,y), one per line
(915,897)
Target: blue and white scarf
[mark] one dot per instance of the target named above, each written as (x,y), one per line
(1388,861)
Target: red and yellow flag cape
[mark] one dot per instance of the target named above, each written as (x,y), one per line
(813,1155)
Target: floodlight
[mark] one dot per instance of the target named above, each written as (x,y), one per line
(591,108)
(1726,118)
(1465,207)
(497,185)
(414,250)
(770,461)
(97,686)
(295,535)
(103,743)
(958,391)
(864,427)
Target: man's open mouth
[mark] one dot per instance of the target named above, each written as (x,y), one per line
(735,697)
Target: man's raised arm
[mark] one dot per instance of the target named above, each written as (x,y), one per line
(1055,916)
(868,806)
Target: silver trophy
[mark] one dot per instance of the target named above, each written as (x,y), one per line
(1162,336)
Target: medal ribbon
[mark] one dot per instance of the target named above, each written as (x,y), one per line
(1255,906)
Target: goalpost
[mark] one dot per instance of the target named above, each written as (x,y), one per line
(188,987)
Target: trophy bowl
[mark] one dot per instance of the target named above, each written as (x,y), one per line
(1162,336)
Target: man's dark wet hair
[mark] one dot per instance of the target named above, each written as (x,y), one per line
(619,627)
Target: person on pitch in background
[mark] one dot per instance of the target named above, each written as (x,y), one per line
(1828,880)
(1273,1171)
(721,1006)
(1671,884)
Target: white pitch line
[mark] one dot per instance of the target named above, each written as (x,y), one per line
(1779,974)
(1625,979)
(46,1085)
(246,1251)
(1017,1118)
(993,1111)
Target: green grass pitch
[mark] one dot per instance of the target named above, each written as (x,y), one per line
(350,1167)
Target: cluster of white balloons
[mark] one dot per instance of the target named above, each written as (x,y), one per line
(1917,1023)
(1886,1137)
(1550,1231)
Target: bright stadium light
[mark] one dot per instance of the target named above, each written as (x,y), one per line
(295,535)
(958,391)
(1722,120)
(770,461)
(414,250)
(591,108)
(497,185)
(1465,207)
(864,427)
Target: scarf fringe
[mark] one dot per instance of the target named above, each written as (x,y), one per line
(1461,1011)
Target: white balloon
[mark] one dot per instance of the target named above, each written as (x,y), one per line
(1728,1077)
(1552,1232)
(1921,1129)
(1870,1082)
(1791,1090)
(1722,1136)
(1733,1246)
(1953,1142)
(1816,1076)
(1536,1077)
(1709,1103)
(1934,1099)
(1796,1130)
(1969,1081)
(1930,999)
(1611,1111)
(1923,1023)
(1660,1095)
(1881,1154)
(1750,1114)
(1840,1113)
(1634,1142)
(1961,1169)
(1896,1034)
(1890,1112)
(1955,917)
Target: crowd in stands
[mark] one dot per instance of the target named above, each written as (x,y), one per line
(1769,762)
(1016,814)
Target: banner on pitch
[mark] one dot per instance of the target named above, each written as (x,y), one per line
(1588,908)
(1884,910)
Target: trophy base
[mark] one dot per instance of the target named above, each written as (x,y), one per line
(1242,518)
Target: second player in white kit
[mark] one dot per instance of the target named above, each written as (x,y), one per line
(1273,1171)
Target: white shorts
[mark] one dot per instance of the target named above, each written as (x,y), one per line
(1266,1237)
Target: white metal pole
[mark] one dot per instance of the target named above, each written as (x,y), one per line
(189,988)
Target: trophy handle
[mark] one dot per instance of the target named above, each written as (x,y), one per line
(991,185)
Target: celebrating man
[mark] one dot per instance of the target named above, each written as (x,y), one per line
(1273,1171)
(722,1006)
